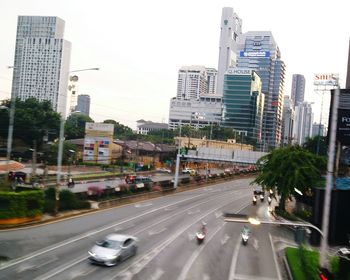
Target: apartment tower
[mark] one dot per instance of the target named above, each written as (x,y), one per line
(41,64)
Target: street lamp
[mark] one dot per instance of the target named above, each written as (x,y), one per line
(60,149)
(238,218)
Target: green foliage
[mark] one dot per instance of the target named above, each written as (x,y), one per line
(312,143)
(67,157)
(33,120)
(303,263)
(21,204)
(68,201)
(120,131)
(287,168)
(75,126)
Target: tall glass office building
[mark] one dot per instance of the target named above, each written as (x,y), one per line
(257,50)
(243,102)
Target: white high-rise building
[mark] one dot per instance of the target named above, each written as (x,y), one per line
(192,82)
(231,29)
(41,64)
(288,120)
(196,103)
(303,122)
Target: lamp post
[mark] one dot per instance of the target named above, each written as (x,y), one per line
(60,149)
(11,122)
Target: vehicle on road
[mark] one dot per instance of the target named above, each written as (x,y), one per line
(163,170)
(254,200)
(113,249)
(187,170)
(245,235)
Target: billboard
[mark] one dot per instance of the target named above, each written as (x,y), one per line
(239,71)
(254,54)
(326,79)
(343,120)
(98,142)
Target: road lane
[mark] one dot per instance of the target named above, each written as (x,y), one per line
(68,252)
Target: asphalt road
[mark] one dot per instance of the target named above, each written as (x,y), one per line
(166,230)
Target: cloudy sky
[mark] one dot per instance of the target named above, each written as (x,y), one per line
(140,45)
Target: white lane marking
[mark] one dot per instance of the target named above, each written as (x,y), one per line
(252,277)
(142,261)
(256,244)
(76,274)
(205,277)
(225,239)
(25,267)
(218,214)
(140,205)
(231,275)
(170,208)
(275,259)
(82,236)
(154,232)
(61,268)
(195,254)
(193,212)
(157,274)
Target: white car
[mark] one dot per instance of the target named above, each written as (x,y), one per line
(113,249)
(187,170)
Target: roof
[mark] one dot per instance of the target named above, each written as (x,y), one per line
(145,145)
(118,237)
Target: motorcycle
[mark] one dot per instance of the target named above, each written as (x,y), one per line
(245,237)
(269,200)
(200,237)
(254,200)
(261,197)
(201,233)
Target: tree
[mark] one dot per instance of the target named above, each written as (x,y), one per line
(52,153)
(287,168)
(120,131)
(33,120)
(75,125)
(311,145)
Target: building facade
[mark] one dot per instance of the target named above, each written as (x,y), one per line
(196,113)
(303,123)
(257,50)
(243,102)
(83,105)
(41,63)
(196,103)
(288,121)
(230,30)
(298,89)
(192,82)
(143,127)
(318,129)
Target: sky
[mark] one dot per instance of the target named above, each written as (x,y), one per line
(140,45)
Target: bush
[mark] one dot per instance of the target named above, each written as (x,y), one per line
(21,204)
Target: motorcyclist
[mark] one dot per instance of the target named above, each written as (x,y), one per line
(246,230)
(204,228)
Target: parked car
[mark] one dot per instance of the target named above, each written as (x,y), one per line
(165,170)
(113,249)
(187,170)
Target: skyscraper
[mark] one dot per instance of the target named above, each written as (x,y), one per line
(303,122)
(192,82)
(298,89)
(243,102)
(41,63)
(83,105)
(231,29)
(288,121)
(196,103)
(257,50)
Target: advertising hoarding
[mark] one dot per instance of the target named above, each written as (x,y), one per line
(326,79)
(98,142)
(254,54)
